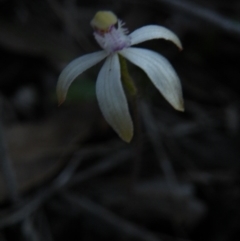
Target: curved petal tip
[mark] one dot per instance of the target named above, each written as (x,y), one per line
(61,95)
(126,135)
(61,100)
(154,32)
(180,106)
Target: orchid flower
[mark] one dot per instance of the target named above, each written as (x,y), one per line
(115,41)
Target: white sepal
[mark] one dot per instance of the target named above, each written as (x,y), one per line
(153,32)
(112,99)
(160,72)
(75,68)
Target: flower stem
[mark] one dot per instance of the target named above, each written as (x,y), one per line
(127,80)
(131,91)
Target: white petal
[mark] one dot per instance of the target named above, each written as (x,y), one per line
(75,68)
(153,32)
(112,99)
(160,71)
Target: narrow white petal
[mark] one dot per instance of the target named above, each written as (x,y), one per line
(112,99)
(75,68)
(153,32)
(160,71)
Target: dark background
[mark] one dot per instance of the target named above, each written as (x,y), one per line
(65,175)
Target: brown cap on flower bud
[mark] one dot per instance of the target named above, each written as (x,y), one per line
(103,20)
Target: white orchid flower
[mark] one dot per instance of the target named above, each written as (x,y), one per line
(109,89)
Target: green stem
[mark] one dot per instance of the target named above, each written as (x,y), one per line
(131,91)
(127,80)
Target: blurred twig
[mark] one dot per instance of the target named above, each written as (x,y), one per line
(7,170)
(104,165)
(12,216)
(124,226)
(27,228)
(205,14)
(44,226)
(155,139)
(66,17)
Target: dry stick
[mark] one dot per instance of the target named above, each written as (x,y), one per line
(44,227)
(14,216)
(205,14)
(104,165)
(112,219)
(65,16)
(138,141)
(152,131)
(11,184)
(7,170)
